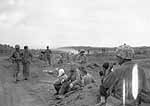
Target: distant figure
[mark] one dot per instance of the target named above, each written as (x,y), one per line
(16,59)
(26,61)
(68,58)
(81,58)
(48,54)
(88,51)
(60,59)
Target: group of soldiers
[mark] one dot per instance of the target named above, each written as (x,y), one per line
(19,57)
(77,78)
(111,89)
(112,76)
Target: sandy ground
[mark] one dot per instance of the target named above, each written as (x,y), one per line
(36,92)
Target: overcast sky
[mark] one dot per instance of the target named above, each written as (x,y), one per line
(57,23)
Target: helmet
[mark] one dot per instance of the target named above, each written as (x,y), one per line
(82,51)
(125,52)
(17,46)
(25,47)
(47,46)
(60,72)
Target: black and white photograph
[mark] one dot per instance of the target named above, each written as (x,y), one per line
(74,52)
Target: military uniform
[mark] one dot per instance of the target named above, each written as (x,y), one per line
(60,80)
(112,86)
(48,53)
(73,79)
(113,83)
(82,59)
(16,59)
(26,61)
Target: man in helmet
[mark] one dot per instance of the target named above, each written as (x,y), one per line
(48,53)
(81,58)
(16,59)
(73,82)
(60,80)
(111,89)
(26,61)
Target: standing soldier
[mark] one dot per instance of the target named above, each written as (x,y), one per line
(81,58)
(26,61)
(48,53)
(67,57)
(111,90)
(16,59)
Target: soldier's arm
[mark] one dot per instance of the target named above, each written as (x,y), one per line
(86,59)
(108,83)
(78,78)
(31,56)
(68,78)
(93,80)
(12,57)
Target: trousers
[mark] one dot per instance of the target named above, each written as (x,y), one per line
(26,70)
(16,70)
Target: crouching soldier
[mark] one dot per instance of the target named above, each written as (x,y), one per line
(73,82)
(60,80)
(86,77)
(111,90)
(16,59)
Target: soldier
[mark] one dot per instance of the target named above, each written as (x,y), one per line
(16,59)
(61,59)
(106,70)
(26,61)
(60,80)
(86,77)
(81,58)
(112,87)
(73,82)
(67,57)
(48,53)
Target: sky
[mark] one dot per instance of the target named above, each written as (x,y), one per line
(57,23)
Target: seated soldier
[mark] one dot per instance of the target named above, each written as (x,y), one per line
(73,82)
(60,79)
(87,78)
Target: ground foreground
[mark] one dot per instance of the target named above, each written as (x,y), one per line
(38,92)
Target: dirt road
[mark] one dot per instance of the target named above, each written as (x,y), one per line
(36,93)
(20,94)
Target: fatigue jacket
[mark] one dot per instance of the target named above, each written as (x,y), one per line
(48,52)
(75,78)
(61,79)
(26,57)
(16,57)
(81,59)
(114,81)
